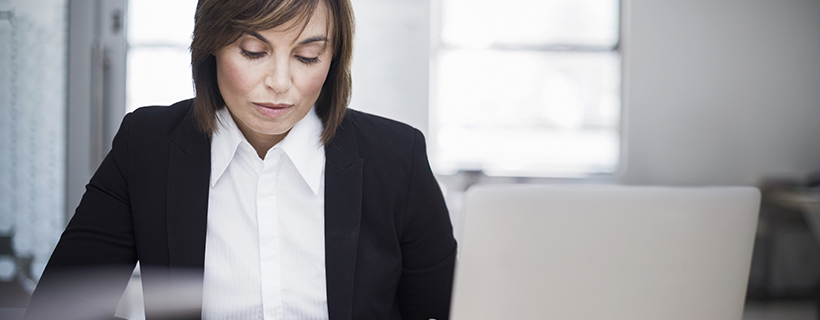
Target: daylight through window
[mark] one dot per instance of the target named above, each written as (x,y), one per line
(526,88)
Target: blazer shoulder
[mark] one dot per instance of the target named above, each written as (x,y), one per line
(376,131)
(160,117)
(157,123)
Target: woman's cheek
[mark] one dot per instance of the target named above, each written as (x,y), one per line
(240,77)
(317,80)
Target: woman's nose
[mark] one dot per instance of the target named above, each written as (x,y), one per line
(279,77)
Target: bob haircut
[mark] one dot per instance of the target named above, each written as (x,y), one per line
(219,23)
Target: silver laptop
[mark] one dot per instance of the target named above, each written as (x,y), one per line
(605,252)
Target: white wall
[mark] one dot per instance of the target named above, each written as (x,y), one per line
(721,91)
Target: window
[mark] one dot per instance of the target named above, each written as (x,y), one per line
(159,63)
(526,88)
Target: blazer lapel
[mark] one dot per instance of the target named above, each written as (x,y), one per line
(189,171)
(343,208)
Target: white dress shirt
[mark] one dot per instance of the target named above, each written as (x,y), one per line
(265,244)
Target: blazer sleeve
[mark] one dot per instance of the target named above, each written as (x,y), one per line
(90,266)
(427,244)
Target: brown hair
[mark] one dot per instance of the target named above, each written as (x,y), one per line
(220,22)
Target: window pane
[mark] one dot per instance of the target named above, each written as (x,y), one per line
(159,34)
(161,22)
(158,76)
(527,113)
(479,23)
(526,151)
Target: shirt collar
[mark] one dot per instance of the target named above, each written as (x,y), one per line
(302,145)
(224,142)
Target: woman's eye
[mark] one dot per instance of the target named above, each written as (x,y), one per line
(252,55)
(307,60)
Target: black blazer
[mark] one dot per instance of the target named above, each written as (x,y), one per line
(389,245)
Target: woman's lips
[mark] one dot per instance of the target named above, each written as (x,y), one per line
(272,110)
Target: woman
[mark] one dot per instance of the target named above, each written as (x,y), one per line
(269,193)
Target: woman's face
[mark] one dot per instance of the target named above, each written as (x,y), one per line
(270,79)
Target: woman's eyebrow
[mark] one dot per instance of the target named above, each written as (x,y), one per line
(313,39)
(303,42)
(258,36)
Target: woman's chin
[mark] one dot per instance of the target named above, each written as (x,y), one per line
(273,132)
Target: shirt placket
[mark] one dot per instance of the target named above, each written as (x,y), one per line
(269,253)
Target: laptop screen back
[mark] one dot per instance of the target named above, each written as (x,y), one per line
(605,252)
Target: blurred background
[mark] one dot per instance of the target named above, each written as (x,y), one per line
(640,92)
